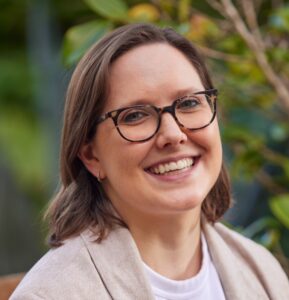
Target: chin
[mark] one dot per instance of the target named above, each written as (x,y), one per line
(178,205)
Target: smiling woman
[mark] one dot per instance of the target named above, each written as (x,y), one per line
(143,184)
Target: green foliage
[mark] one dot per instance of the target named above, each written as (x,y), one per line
(279,20)
(25,149)
(144,12)
(113,9)
(79,38)
(280,208)
(265,230)
(183,10)
(21,140)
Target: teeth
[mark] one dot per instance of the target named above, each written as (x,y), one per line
(181,164)
(172,166)
(162,169)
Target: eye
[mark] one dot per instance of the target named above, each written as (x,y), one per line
(188,104)
(133,116)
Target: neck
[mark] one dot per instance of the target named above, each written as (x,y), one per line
(170,245)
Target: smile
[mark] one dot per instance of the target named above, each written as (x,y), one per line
(181,164)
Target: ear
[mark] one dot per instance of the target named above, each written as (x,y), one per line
(89,159)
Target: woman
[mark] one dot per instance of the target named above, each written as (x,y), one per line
(143,184)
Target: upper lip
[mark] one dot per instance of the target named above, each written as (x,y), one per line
(171,159)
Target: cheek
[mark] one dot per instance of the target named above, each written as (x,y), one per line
(215,138)
(208,138)
(215,152)
(120,159)
(214,145)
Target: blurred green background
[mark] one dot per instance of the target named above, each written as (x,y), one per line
(245,44)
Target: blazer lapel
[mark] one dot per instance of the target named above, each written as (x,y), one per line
(119,264)
(237,282)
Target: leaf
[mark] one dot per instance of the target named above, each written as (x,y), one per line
(201,29)
(144,12)
(79,38)
(111,9)
(184,10)
(260,225)
(280,208)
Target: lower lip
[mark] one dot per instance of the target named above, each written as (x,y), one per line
(179,175)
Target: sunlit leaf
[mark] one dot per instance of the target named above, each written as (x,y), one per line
(144,12)
(79,38)
(202,28)
(184,10)
(280,208)
(111,9)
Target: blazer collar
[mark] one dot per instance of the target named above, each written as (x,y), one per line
(119,264)
(237,282)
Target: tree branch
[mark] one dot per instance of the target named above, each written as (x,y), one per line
(251,18)
(227,8)
(277,3)
(219,55)
(217,6)
(267,181)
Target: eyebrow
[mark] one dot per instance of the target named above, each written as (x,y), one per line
(178,94)
(185,92)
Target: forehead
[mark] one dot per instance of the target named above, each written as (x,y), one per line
(150,72)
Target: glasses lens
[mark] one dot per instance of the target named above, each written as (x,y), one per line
(138,123)
(195,111)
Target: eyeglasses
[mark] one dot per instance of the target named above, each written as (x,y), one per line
(140,123)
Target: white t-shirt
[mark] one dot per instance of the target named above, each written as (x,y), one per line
(205,285)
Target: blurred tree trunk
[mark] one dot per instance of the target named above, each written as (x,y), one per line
(43,41)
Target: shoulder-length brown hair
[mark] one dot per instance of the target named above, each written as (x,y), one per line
(81,203)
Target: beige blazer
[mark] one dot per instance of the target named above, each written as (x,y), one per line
(83,269)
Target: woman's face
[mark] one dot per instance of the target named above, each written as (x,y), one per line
(154,74)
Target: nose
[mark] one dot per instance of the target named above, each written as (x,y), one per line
(170,133)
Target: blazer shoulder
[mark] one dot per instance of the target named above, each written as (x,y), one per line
(245,267)
(236,240)
(257,256)
(61,272)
